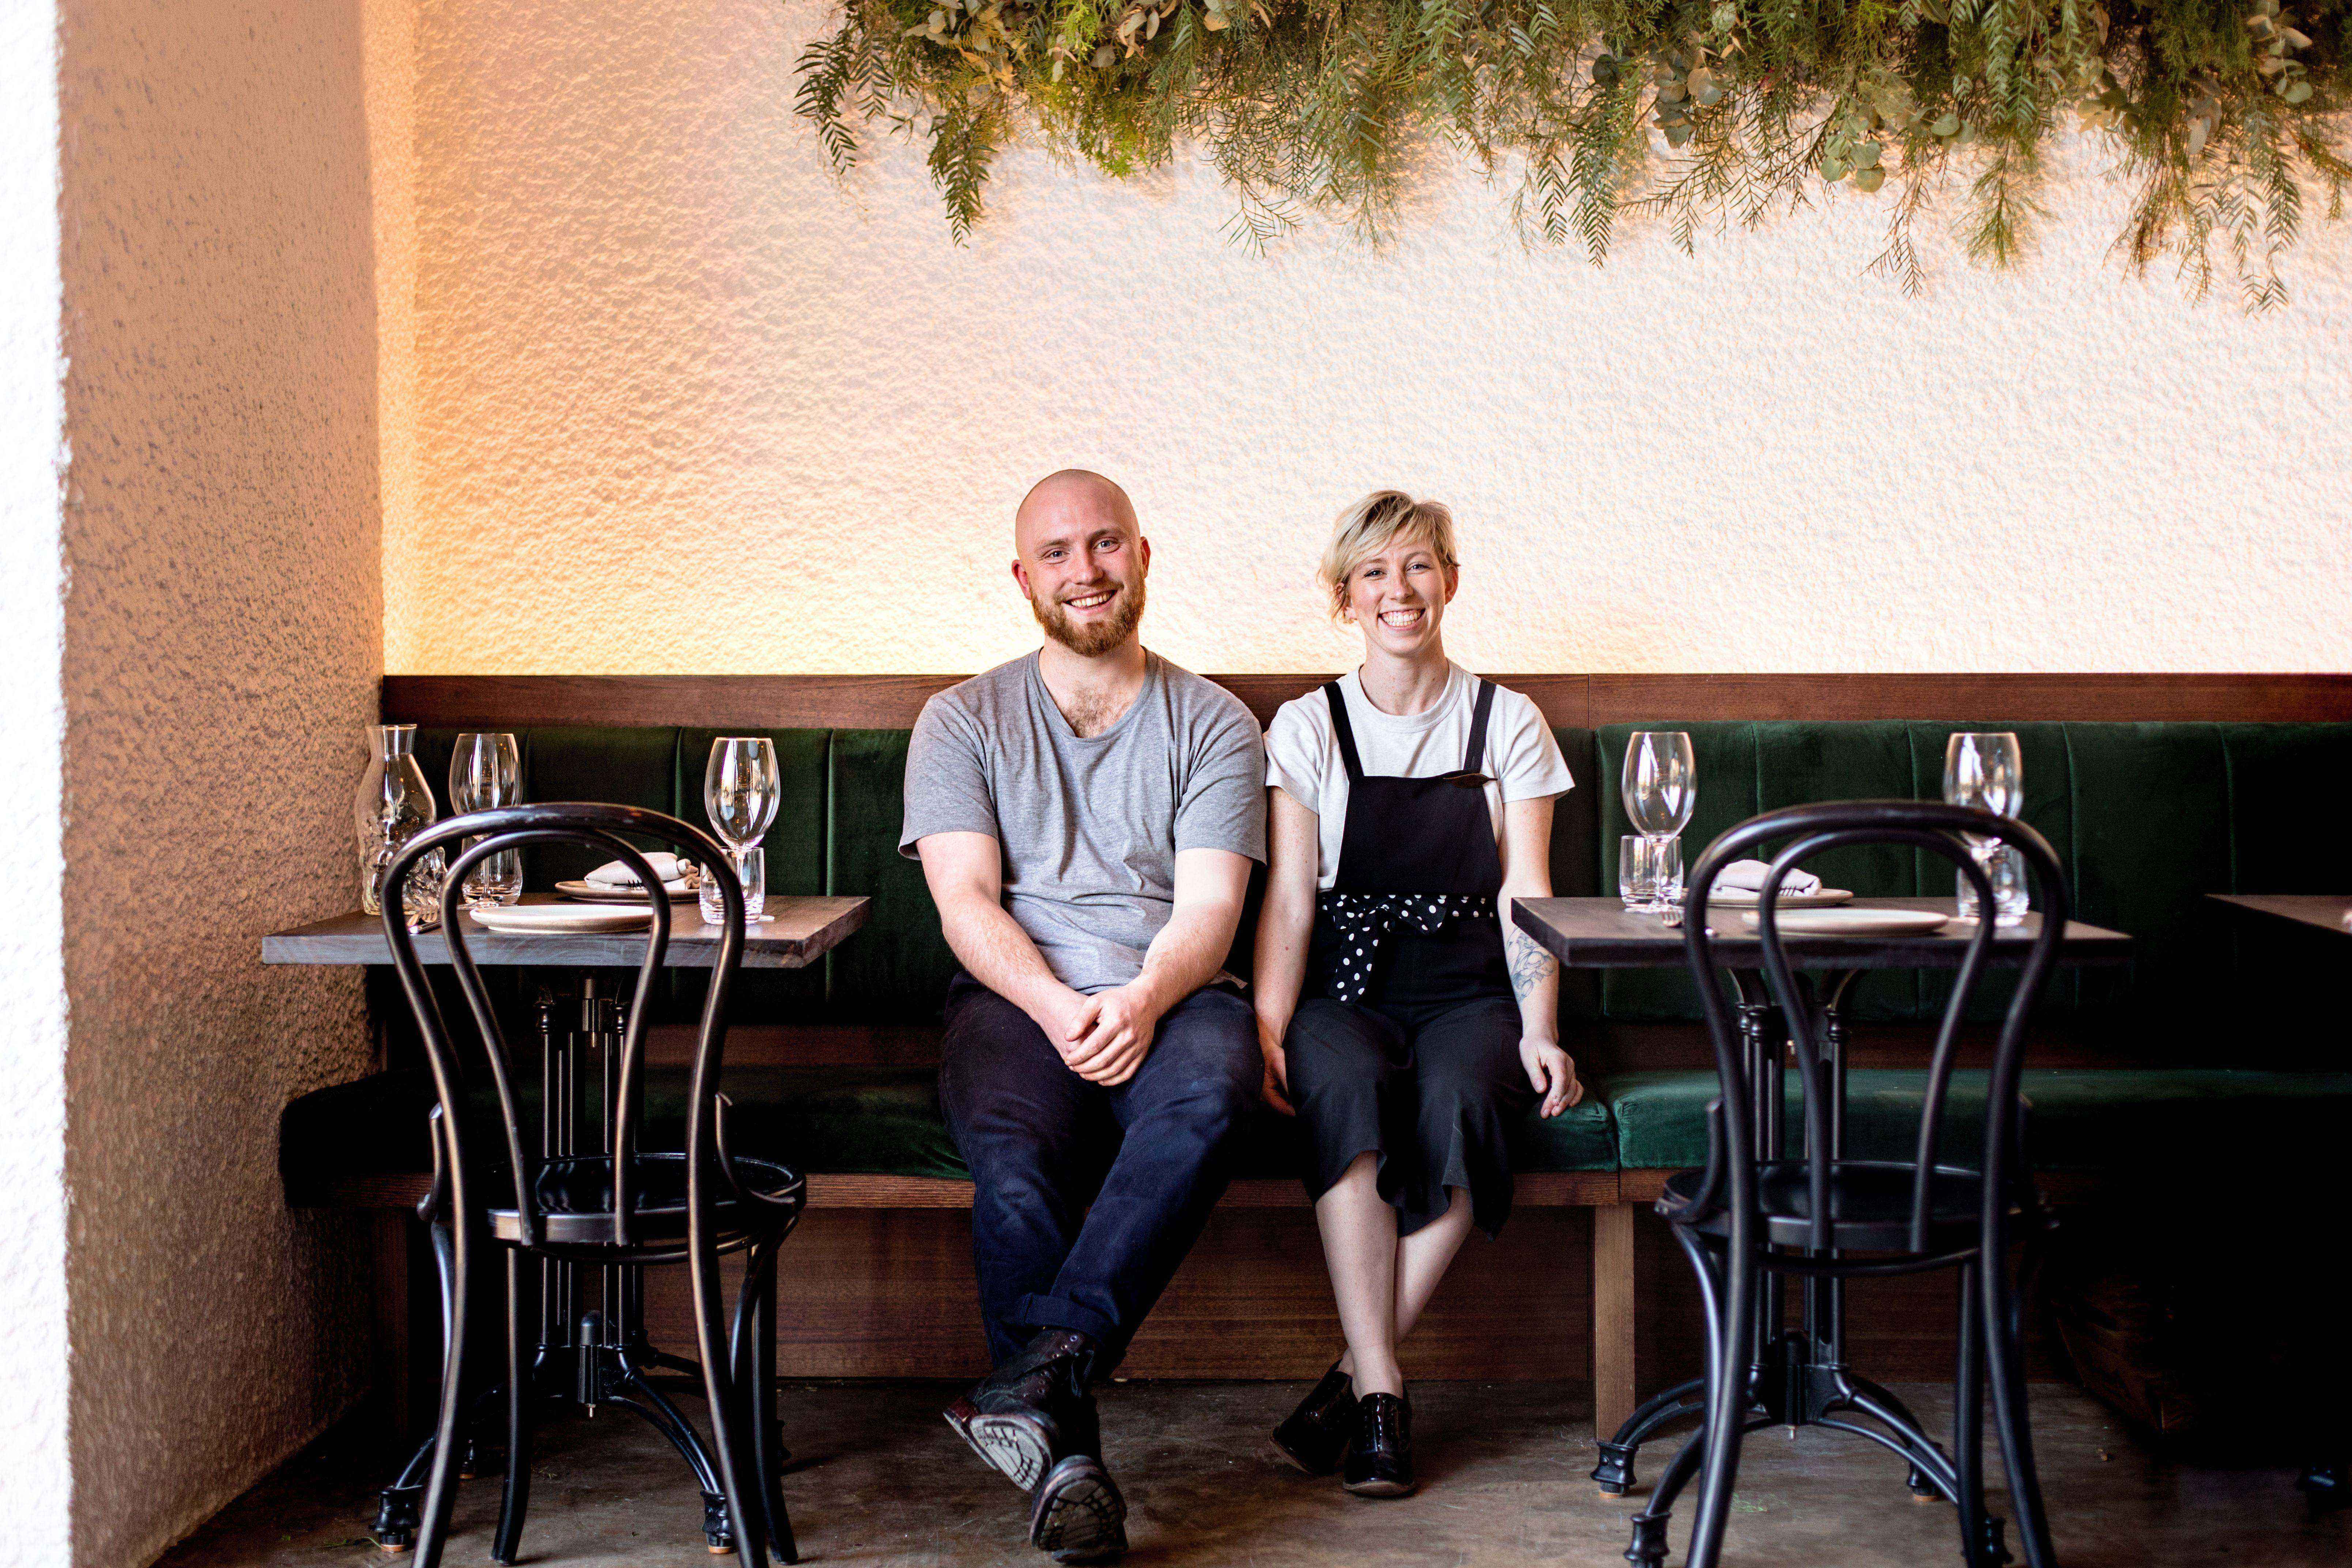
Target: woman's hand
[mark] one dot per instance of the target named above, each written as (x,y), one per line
(1277,1087)
(1552,1072)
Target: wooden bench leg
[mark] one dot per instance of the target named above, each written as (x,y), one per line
(1612,1317)
(393,1372)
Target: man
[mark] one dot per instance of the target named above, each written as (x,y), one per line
(1085,816)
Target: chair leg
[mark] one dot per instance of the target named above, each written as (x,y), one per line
(722,1355)
(767,1438)
(1728,1371)
(441,1479)
(2003,1328)
(516,1498)
(1968,1430)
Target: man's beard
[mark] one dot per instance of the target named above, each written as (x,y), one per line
(1092,641)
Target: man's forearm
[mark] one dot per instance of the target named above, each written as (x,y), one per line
(990,945)
(1188,952)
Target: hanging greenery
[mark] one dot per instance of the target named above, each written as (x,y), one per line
(1702,112)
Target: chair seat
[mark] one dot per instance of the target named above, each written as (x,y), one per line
(1870,1204)
(575,1199)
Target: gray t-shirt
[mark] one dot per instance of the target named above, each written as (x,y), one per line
(1090,827)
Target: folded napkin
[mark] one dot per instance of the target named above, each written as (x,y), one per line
(676,875)
(1747,876)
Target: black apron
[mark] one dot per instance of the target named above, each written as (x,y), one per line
(1409,920)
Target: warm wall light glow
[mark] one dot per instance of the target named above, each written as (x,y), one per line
(685,404)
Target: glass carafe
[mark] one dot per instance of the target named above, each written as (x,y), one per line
(393,803)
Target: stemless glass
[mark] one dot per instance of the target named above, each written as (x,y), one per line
(486,771)
(1661,790)
(740,789)
(1636,884)
(1984,768)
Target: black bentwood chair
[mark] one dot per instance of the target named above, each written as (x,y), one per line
(1831,1219)
(617,1209)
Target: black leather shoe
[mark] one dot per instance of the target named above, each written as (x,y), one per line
(1034,1411)
(1317,1433)
(1380,1459)
(1077,1513)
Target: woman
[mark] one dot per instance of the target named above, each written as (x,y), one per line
(1408,1024)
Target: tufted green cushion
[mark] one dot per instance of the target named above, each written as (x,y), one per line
(2152,836)
(866,1120)
(2180,1119)
(1662,1115)
(623,766)
(2092,1119)
(896,968)
(871,1120)
(1581,1138)
(1576,871)
(838,1121)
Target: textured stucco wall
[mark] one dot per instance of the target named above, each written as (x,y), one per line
(223,638)
(35,1485)
(683,404)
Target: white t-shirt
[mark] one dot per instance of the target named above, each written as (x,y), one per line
(1302,751)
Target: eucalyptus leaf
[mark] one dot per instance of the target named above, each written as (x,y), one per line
(1337,107)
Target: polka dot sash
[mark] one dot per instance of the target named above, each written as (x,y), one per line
(1362,923)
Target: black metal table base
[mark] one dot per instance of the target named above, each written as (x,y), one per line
(1800,1377)
(588,1358)
(598,1370)
(1793,1387)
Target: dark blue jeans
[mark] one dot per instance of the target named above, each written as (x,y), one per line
(1150,1156)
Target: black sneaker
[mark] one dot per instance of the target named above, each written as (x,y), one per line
(1035,1411)
(1317,1433)
(1379,1457)
(1077,1514)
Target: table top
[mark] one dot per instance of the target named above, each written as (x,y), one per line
(1603,933)
(2328,911)
(802,931)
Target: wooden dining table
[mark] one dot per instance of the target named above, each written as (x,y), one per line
(1803,1376)
(587,1355)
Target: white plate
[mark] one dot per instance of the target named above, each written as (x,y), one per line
(597,893)
(561,920)
(1856,922)
(1747,898)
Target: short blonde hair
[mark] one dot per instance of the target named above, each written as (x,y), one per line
(1371,526)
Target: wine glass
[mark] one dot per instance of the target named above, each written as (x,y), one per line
(741,789)
(1661,790)
(486,772)
(1984,768)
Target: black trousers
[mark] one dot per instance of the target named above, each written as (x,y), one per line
(1434,1091)
(1086,1199)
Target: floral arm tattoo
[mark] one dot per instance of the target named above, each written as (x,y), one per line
(1529,963)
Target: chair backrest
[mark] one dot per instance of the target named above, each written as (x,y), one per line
(601,827)
(1806,831)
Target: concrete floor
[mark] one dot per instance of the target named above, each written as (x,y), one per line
(879,1479)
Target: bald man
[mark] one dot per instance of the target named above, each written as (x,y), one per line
(1085,816)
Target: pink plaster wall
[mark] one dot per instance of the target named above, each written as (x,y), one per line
(221,648)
